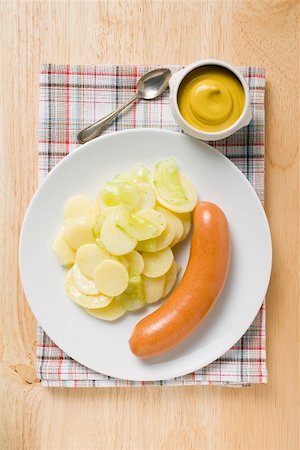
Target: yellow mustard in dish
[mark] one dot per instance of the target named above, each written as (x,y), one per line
(211,98)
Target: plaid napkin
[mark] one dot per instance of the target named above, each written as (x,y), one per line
(72,97)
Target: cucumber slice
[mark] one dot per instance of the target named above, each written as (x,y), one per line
(173,190)
(149,196)
(166,179)
(140,173)
(137,174)
(121,193)
(155,217)
(133,298)
(97,226)
(136,226)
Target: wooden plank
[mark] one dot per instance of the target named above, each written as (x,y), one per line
(242,32)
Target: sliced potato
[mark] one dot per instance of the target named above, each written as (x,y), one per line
(175,222)
(78,207)
(136,263)
(115,240)
(84,284)
(87,301)
(123,260)
(186,222)
(111,277)
(173,190)
(157,264)
(158,243)
(154,217)
(78,232)
(148,196)
(171,277)
(133,262)
(133,298)
(153,288)
(64,253)
(112,312)
(88,257)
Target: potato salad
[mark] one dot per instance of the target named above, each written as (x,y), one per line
(118,249)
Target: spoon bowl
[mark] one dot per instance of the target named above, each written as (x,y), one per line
(153,83)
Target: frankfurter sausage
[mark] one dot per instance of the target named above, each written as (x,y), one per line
(200,287)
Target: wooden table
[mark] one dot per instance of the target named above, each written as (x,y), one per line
(242,32)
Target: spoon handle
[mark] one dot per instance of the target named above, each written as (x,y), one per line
(94,130)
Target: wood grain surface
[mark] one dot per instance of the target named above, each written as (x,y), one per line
(260,33)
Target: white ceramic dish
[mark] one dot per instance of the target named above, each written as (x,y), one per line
(103,346)
(175,82)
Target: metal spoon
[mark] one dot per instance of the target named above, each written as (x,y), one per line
(151,85)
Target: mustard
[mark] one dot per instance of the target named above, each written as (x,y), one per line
(211,98)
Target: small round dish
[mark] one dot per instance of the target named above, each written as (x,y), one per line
(174,84)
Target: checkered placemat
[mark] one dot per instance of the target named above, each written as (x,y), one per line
(72,97)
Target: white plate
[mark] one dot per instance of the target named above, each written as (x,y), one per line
(104,346)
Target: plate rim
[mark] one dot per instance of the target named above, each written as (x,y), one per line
(83,147)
